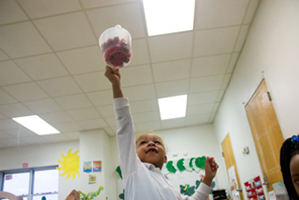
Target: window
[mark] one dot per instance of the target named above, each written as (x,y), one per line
(32,183)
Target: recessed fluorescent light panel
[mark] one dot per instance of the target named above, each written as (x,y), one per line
(173,107)
(168,16)
(36,124)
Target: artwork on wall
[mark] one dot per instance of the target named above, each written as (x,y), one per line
(70,164)
(97,166)
(87,167)
(90,195)
(92,179)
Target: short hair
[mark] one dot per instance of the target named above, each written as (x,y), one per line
(287,151)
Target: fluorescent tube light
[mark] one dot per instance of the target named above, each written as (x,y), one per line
(36,124)
(168,16)
(173,107)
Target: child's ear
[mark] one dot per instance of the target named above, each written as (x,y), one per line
(165,159)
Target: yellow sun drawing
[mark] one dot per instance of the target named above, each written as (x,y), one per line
(70,165)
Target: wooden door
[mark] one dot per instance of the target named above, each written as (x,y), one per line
(266,132)
(229,158)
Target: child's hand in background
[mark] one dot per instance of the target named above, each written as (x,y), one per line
(211,168)
(113,76)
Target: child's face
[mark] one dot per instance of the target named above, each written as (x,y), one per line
(150,149)
(294,168)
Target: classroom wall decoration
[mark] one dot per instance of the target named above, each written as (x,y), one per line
(70,164)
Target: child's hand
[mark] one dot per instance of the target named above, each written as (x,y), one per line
(210,170)
(113,75)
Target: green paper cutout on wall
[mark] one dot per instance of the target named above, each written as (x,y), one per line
(180,165)
(187,190)
(195,164)
(200,162)
(70,164)
(190,163)
(119,172)
(169,166)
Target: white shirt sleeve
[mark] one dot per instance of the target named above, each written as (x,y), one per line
(202,193)
(125,136)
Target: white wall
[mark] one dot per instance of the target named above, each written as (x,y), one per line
(41,156)
(272,46)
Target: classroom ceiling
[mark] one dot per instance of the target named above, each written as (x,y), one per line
(51,65)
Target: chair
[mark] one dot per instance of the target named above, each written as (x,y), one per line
(10,196)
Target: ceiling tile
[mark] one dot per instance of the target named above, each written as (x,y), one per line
(173,123)
(60,86)
(197,119)
(3,56)
(212,117)
(148,126)
(146,116)
(215,41)
(92,82)
(131,76)
(42,8)
(175,46)
(241,38)
(144,106)
(172,88)
(10,73)
(22,39)
(20,132)
(55,137)
(101,98)
(206,83)
(84,114)
(111,121)
(106,111)
(15,110)
(43,106)
(202,98)
(251,11)
(2,116)
(4,135)
(216,106)
(128,15)
(93,123)
(83,60)
(42,67)
(210,65)
(232,62)
(11,12)
(26,91)
(6,98)
(14,142)
(220,95)
(66,31)
(225,81)
(8,124)
(56,118)
(34,140)
(200,109)
(73,102)
(72,135)
(139,52)
(214,13)
(175,70)
(109,131)
(138,93)
(97,3)
(68,127)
